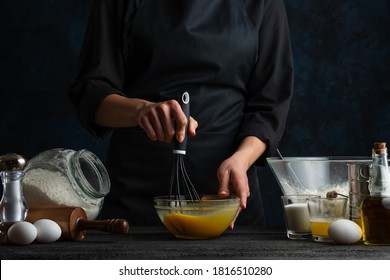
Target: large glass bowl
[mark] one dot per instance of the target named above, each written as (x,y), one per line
(315,175)
(196,219)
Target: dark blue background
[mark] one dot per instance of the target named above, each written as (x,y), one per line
(342,82)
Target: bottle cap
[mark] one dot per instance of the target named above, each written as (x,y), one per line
(379,147)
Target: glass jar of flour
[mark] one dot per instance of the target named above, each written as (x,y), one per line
(67,177)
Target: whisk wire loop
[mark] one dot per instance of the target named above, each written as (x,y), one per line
(181,186)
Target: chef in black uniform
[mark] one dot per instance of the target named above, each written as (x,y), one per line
(232,56)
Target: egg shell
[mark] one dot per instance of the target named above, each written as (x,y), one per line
(345,231)
(48,231)
(22,233)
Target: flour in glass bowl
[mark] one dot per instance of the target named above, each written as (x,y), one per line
(43,186)
(289,188)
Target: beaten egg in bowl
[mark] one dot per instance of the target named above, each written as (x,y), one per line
(196,219)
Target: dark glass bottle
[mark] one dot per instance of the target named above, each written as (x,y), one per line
(375,209)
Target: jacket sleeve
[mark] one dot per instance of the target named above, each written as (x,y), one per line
(101,63)
(270,87)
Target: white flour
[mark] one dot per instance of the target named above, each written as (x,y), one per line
(52,187)
(289,188)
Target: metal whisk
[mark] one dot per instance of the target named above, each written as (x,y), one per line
(181,187)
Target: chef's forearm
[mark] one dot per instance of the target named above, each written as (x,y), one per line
(250,149)
(119,111)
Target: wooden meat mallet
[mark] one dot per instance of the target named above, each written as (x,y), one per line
(73,221)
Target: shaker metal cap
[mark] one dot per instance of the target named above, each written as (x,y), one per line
(12,162)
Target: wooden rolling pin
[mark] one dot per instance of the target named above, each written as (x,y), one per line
(73,221)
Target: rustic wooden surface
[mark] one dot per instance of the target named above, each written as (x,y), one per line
(145,243)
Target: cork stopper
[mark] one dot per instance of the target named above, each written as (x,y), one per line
(379,147)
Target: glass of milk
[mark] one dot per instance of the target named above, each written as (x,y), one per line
(296,216)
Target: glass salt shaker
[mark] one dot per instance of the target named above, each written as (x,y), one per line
(67,177)
(13,205)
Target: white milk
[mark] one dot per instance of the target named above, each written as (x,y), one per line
(297,216)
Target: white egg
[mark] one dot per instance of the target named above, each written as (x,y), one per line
(22,233)
(344,231)
(47,231)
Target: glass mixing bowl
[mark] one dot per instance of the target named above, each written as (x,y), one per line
(314,175)
(196,219)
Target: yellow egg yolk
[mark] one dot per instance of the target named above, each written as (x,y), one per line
(199,227)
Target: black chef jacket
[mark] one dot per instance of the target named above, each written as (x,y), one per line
(232,56)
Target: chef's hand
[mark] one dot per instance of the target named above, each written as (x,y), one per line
(233,180)
(161,121)
(164,120)
(232,173)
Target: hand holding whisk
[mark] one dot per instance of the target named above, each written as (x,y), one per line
(181,186)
